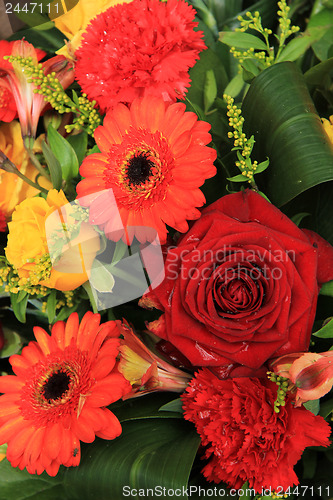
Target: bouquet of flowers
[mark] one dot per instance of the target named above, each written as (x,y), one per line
(166,268)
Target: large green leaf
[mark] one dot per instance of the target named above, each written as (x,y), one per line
(20,485)
(152,453)
(279,111)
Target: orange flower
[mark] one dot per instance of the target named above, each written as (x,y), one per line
(13,190)
(59,393)
(310,373)
(27,247)
(146,371)
(153,158)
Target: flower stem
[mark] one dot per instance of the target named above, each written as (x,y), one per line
(34,159)
(8,166)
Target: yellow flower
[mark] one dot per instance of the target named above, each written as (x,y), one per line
(328,126)
(74,22)
(13,190)
(28,252)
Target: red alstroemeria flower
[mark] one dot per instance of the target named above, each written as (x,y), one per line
(15,82)
(59,394)
(311,374)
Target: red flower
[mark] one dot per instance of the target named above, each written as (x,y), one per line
(145,47)
(241,286)
(154,159)
(58,396)
(245,438)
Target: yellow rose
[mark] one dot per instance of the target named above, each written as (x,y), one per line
(74,22)
(27,245)
(328,126)
(13,190)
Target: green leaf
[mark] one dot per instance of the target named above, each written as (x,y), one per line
(297,219)
(175,405)
(327,289)
(100,278)
(235,86)
(64,152)
(241,40)
(296,47)
(54,166)
(210,90)
(326,332)
(312,406)
(147,406)
(326,408)
(237,178)
(319,74)
(279,112)
(79,143)
(13,343)
(19,306)
(20,485)
(152,453)
(51,305)
(261,167)
(87,287)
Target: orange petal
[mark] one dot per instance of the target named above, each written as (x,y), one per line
(11,383)
(44,340)
(112,429)
(71,329)
(58,334)
(53,440)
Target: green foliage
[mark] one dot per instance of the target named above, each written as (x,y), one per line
(64,153)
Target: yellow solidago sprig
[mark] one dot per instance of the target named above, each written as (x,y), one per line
(49,86)
(258,49)
(12,282)
(243,146)
(283,387)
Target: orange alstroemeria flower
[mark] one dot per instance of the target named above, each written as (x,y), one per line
(310,373)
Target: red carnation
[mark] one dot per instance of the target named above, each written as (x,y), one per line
(245,438)
(145,47)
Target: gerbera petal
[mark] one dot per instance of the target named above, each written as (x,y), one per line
(109,390)
(83,429)
(71,329)
(10,428)
(87,330)
(106,359)
(34,446)
(53,440)
(53,468)
(58,334)
(18,443)
(112,429)
(10,383)
(44,340)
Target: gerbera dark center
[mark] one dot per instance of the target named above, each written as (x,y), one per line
(56,386)
(139,169)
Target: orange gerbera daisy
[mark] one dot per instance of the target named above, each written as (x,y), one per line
(58,396)
(153,158)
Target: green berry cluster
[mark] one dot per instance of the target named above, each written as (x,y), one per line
(283,387)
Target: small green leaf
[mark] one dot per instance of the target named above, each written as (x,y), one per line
(100,278)
(13,343)
(210,90)
(51,305)
(19,307)
(312,406)
(327,289)
(238,178)
(64,152)
(241,40)
(299,45)
(326,408)
(297,219)
(235,86)
(261,167)
(326,332)
(176,405)
(54,166)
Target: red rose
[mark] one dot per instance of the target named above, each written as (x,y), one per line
(245,438)
(241,286)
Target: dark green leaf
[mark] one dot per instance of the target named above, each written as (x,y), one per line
(279,112)
(262,166)
(64,153)
(296,47)
(79,143)
(54,166)
(326,332)
(241,40)
(20,485)
(210,90)
(297,219)
(237,178)
(149,453)
(51,305)
(326,408)
(175,405)
(19,307)
(49,40)
(319,73)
